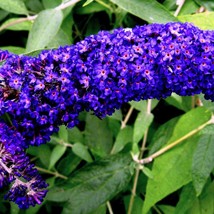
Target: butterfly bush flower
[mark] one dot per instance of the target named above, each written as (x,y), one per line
(27,186)
(97,74)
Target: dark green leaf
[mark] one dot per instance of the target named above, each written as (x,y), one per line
(148,10)
(137,206)
(68,164)
(97,135)
(14,6)
(203,159)
(186,200)
(44,29)
(94,184)
(166,209)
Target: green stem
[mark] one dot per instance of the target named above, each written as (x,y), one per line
(128,115)
(175,143)
(137,172)
(51,173)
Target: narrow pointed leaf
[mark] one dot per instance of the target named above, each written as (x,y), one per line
(148,10)
(44,29)
(203,160)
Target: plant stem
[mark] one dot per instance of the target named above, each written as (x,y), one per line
(128,115)
(175,143)
(180,4)
(67,4)
(137,172)
(32,18)
(109,207)
(51,173)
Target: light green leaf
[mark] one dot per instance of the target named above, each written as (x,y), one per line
(63,133)
(87,3)
(51,3)
(123,137)
(172,170)
(183,103)
(142,122)
(56,154)
(26,25)
(13,49)
(166,209)
(148,10)
(162,135)
(140,105)
(147,172)
(204,20)
(44,29)
(203,159)
(75,135)
(14,6)
(81,151)
(94,184)
(208,4)
(98,137)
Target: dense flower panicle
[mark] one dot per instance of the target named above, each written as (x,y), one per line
(97,74)
(102,72)
(28,188)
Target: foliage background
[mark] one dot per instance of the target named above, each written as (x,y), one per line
(89,168)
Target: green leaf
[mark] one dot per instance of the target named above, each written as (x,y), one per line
(183,103)
(56,154)
(68,163)
(208,4)
(189,7)
(166,209)
(123,137)
(94,184)
(93,7)
(186,200)
(44,29)
(26,25)
(172,170)
(75,135)
(98,137)
(162,135)
(13,49)
(203,160)
(207,103)
(63,133)
(51,3)
(137,205)
(142,122)
(148,10)
(82,151)
(87,3)
(147,172)
(205,20)
(14,6)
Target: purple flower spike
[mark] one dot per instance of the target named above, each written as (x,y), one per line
(28,188)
